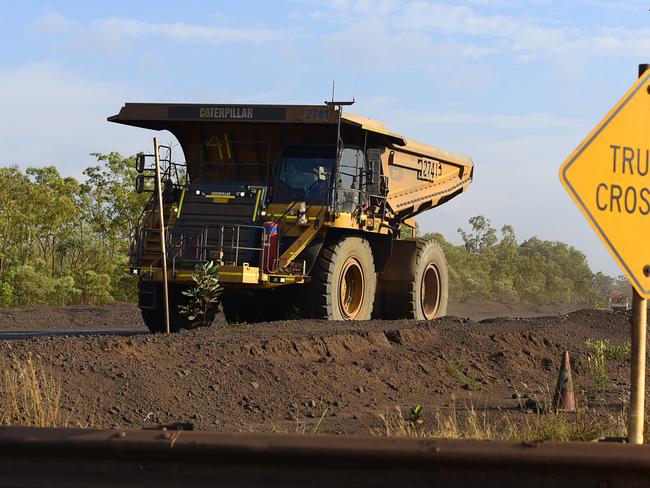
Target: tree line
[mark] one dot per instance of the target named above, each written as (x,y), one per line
(495,265)
(65,241)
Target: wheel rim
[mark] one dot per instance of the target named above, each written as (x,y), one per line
(351,286)
(430,292)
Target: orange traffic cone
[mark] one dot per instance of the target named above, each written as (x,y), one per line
(564,399)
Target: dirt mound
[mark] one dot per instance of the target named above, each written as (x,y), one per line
(273,376)
(481,308)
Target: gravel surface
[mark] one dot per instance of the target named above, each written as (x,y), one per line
(277,376)
(41,317)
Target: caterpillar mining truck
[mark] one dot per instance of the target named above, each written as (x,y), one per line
(301,207)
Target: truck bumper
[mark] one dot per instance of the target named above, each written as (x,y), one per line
(229,277)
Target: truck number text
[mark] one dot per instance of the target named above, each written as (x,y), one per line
(319,114)
(429,170)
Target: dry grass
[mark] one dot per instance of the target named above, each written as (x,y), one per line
(306,427)
(469,423)
(302,427)
(30,395)
(445,425)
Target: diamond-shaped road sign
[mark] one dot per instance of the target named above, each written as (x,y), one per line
(608,176)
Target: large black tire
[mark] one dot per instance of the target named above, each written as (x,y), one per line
(154,318)
(343,282)
(423,298)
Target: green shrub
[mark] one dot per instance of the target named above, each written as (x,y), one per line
(96,288)
(598,362)
(64,291)
(204,297)
(32,287)
(7,294)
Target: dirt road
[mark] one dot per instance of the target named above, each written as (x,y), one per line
(122,315)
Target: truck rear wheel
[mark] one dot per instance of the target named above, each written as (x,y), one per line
(343,282)
(154,318)
(424,297)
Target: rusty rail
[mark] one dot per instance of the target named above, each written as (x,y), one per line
(77,457)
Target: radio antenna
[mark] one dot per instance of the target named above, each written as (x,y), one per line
(333,86)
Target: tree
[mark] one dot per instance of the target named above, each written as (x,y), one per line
(31,284)
(114,207)
(59,236)
(96,288)
(64,291)
(533,271)
(481,236)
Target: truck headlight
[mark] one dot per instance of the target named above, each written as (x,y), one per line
(302,220)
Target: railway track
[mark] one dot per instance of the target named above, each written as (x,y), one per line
(75,457)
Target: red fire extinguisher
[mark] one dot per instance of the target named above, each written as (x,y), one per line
(270,253)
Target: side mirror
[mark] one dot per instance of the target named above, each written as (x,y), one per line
(373,156)
(321,173)
(139,163)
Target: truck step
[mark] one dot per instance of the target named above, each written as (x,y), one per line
(147,296)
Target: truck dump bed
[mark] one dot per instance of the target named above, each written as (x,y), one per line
(245,142)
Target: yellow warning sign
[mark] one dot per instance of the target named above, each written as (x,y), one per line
(608,177)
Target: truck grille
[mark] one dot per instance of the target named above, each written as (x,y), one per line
(218,222)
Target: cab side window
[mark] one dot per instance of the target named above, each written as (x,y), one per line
(350,174)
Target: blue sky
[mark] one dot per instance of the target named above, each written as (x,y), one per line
(516,85)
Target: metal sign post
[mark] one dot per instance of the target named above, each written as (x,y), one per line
(163,240)
(607,177)
(637,369)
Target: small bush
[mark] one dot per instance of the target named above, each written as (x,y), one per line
(619,352)
(416,413)
(205,296)
(601,351)
(598,362)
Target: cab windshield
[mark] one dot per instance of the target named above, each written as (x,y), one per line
(298,176)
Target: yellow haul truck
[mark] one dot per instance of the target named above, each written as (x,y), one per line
(299,205)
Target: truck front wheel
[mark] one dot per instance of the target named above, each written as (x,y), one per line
(343,281)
